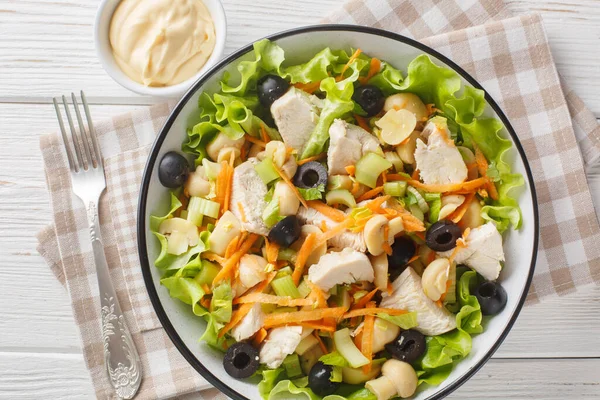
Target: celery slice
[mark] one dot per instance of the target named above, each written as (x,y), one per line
(345,346)
(394,158)
(336,182)
(306,344)
(284,272)
(207,273)
(420,199)
(292,366)
(369,167)
(340,196)
(271,214)
(266,170)
(396,189)
(416,211)
(212,169)
(304,289)
(199,207)
(284,286)
(287,254)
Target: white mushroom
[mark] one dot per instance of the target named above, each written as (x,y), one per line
(380,269)
(276,151)
(373,233)
(384,332)
(221,141)
(472,218)
(197,185)
(252,270)
(407,101)
(396,126)
(290,167)
(226,153)
(228,227)
(435,277)
(449,204)
(180,233)
(288,202)
(397,379)
(406,151)
(396,226)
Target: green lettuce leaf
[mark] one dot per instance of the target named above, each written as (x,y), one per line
(338,101)
(388,79)
(312,193)
(334,358)
(404,321)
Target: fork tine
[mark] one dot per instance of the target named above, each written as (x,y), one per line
(84,137)
(64,136)
(88,116)
(73,134)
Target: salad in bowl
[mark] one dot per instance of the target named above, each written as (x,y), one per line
(340,228)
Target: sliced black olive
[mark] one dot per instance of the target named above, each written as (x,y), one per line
(408,346)
(173,170)
(270,88)
(492,297)
(403,250)
(442,235)
(319,379)
(241,360)
(286,231)
(370,98)
(310,175)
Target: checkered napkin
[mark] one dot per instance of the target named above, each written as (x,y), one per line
(508,55)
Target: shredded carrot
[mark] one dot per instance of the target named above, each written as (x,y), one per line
(375,205)
(236,318)
(206,289)
(350,169)
(431,108)
(272,250)
(318,325)
(374,68)
(324,226)
(363,123)
(259,337)
(205,302)
(321,344)
(317,294)
(413,259)
(336,230)
(232,262)
(384,177)
(309,88)
(415,175)
(264,135)
(442,188)
(373,311)
(457,215)
(313,158)
(254,140)
(386,244)
(224,182)
(244,152)
(278,319)
(367,340)
(329,212)
(355,188)
(232,246)
(460,243)
(210,256)
(364,300)
(350,61)
(390,288)
(303,254)
(283,301)
(370,194)
(242,212)
(291,185)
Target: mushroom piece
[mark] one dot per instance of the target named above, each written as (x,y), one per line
(276,151)
(384,332)
(435,277)
(252,270)
(373,234)
(180,234)
(397,378)
(288,202)
(221,141)
(197,185)
(407,101)
(380,269)
(228,227)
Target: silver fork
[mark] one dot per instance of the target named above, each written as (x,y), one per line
(87,176)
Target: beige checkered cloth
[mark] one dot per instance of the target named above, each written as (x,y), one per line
(508,55)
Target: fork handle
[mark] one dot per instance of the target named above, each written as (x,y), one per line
(121,358)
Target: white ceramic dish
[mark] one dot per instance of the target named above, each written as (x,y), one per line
(103,49)
(300,45)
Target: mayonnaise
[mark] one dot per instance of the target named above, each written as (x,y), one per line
(161,42)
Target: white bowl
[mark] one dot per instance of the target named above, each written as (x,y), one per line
(104,51)
(300,45)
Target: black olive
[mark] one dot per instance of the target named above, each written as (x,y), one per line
(286,231)
(270,88)
(173,170)
(310,175)
(370,98)
(241,360)
(408,346)
(442,235)
(492,297)
(319,379)
(403,250)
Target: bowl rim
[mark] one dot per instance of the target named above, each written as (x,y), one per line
(152,158)
(112,69)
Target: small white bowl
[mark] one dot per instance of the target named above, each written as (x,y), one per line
(104,50)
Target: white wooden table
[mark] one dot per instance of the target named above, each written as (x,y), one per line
(46,49)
